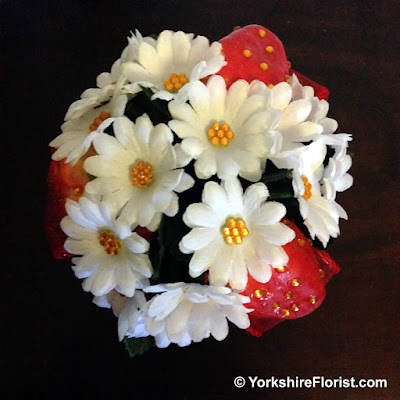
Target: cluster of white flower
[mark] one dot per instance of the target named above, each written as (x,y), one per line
(140,171)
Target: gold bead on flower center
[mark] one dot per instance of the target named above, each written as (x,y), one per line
(220,134)
(142,175)
(307,188)
(234,231)
(175,82)
(99,120)
(110,243)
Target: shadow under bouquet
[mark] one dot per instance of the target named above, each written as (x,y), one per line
(196,185)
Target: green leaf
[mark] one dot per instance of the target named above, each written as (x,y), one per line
(138,346)
(168,262)
(278,181)
(157,251)
(280,194)
(157,110)
(174,230)
(276,176)
(351,153)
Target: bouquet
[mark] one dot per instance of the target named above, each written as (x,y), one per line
(196,185)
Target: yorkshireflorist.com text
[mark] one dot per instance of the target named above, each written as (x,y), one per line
(313,382)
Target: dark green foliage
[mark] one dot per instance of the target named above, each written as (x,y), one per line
(138,346)
(278,181)
(141,104)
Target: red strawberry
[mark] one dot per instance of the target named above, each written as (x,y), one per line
(319,91)
(293,291)
(254,52)
(64,181)
(144,233)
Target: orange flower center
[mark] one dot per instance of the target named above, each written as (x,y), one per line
(110,243)
(234,231)
(307,188)
(142,175)
(99,120)
(175,82)
(220,134)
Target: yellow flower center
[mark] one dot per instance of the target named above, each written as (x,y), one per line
(99,120)
(175,82)
(234,231)
(142,175)
(110,243)
(307,188)
(220,134)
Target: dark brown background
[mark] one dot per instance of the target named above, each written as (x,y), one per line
(57,344)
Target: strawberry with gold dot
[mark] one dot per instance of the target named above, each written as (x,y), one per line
(198,186)
(254,53)
(294,291)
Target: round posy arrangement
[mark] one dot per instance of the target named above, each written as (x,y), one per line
(196,185)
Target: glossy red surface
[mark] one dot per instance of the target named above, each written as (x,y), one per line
(247,57)
(293,291)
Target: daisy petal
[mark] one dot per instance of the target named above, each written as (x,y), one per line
(198,238)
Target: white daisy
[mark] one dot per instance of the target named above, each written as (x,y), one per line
(109,82)
(187,312)
(78,134)
(175,60)
(137,170)
(321,215)
(304,119)
(132,319)
(294,127)
(95,97)
(112,299)
(336,178)
(226,132)
(112,256)
(234,234)
(131,312)
(318,115)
